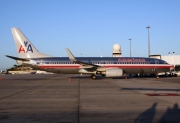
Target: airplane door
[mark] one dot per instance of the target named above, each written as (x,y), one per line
(156,64)
(42,62)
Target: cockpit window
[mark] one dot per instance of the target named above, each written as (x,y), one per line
(165,62)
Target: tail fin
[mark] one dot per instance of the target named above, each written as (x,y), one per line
(25,48)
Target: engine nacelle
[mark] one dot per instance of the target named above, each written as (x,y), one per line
(114,72)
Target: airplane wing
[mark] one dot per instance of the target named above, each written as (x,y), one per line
(84,64)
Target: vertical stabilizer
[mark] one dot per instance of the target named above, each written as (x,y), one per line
(25,48)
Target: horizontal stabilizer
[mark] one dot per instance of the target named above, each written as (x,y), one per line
(16,58)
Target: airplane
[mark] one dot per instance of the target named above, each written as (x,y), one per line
(105,66)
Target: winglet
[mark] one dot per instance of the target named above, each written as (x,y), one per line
(70,55)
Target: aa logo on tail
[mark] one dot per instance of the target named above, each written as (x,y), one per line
(28,48)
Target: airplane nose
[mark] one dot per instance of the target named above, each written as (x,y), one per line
(172,67)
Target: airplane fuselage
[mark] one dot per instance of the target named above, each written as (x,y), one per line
(129,65)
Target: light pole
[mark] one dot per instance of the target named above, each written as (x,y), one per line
(130,46)
(173,61)
(148,41)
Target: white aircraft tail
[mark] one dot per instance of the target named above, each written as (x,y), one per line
(25,48)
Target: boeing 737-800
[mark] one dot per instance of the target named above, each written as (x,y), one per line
(105,66)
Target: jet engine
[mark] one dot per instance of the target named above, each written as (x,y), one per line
(114,72)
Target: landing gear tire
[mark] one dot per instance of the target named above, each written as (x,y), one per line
(175,75)
(157,77)
(93,77)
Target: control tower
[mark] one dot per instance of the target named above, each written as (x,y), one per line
(116,51)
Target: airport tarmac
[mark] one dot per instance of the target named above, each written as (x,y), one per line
(57,98)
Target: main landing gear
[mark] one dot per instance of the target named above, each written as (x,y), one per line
(157,76)
(93,77)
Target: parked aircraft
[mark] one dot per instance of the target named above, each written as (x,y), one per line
(105,66)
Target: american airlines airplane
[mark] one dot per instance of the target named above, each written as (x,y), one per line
(105,66)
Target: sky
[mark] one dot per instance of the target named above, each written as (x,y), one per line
(90,27)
